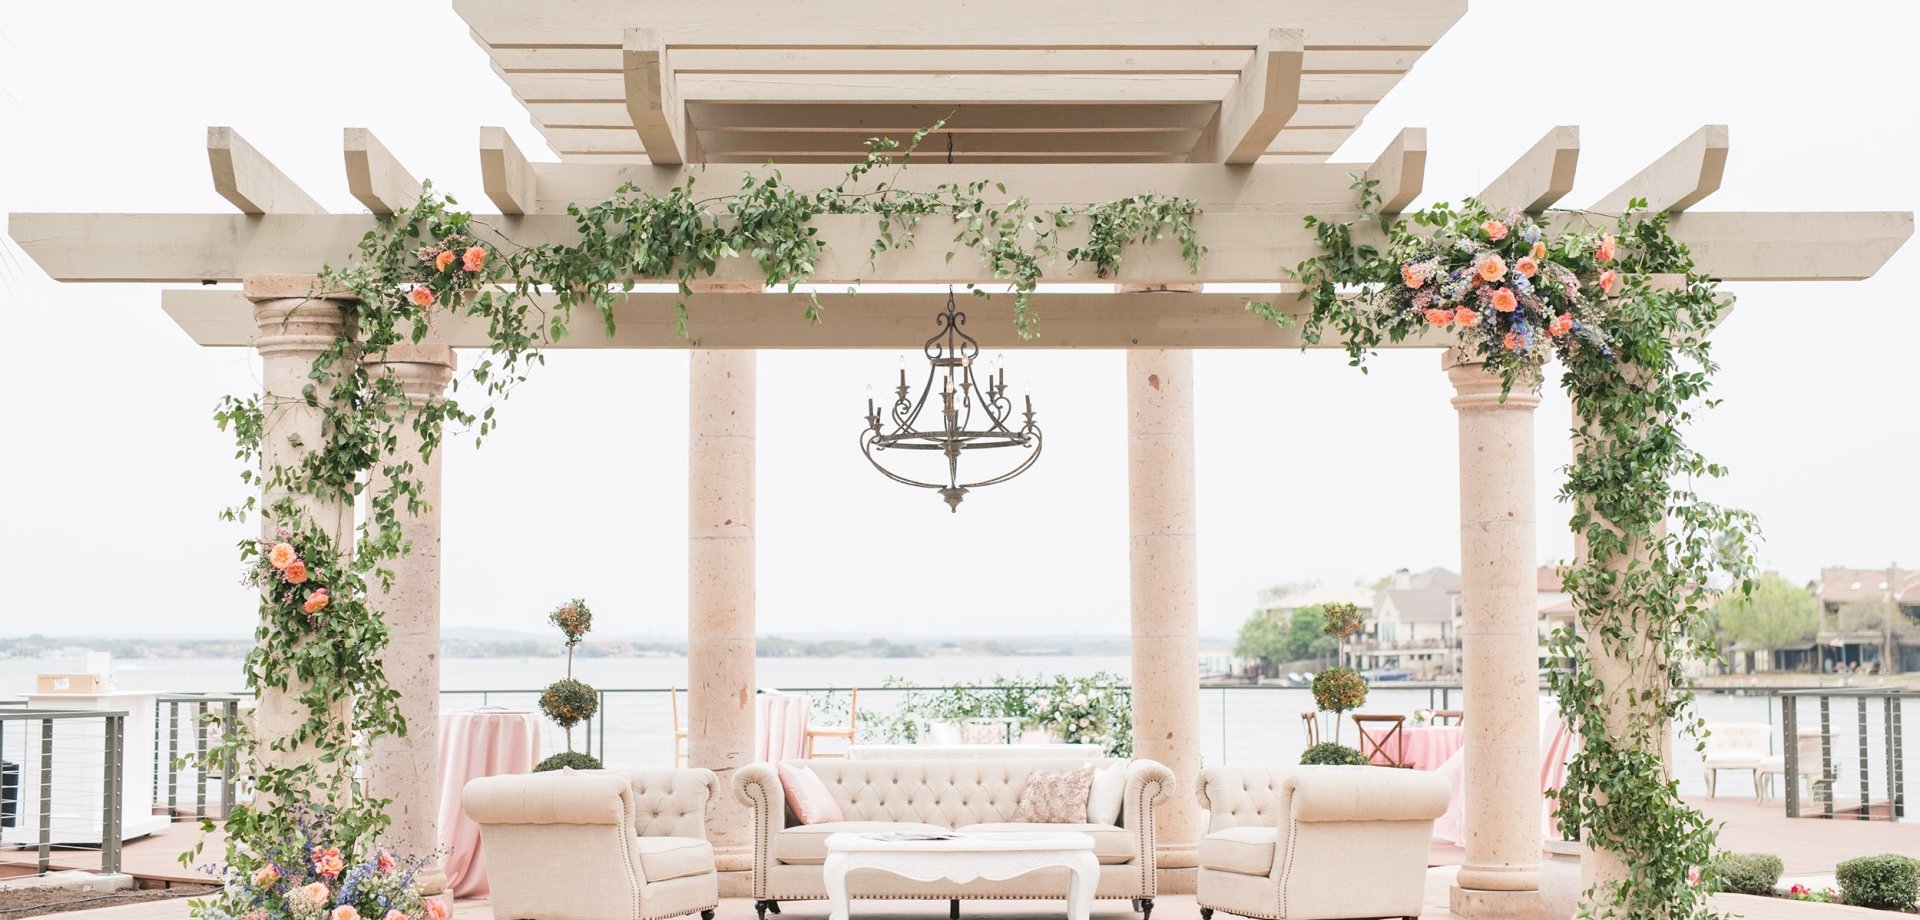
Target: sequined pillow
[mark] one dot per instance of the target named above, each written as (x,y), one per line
(1055,797)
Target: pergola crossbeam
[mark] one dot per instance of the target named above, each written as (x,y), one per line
(1262,100)
(248,179)
(375,177)
(657,117)
(1401,170)
(509,180)
(1679,178)
(1542,175)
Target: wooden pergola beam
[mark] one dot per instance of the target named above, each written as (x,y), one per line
(251,181)
(1678,179)
(375,177)
(657,118)
(1400,170)
(1245,246)
(1262,100)
(1542,175)
(505,174)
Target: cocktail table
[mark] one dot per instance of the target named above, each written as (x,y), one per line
(963,858)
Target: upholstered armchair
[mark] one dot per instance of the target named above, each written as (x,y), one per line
(1737,746)
(597,844)
(1316,842)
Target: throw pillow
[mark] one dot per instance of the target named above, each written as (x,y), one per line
(808,797)
(1109,789)
(1054,797)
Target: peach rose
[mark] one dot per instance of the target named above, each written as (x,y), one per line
(315,893)
(384,860)
(1439,317)
(1610,281)
(1410,277)
(1539,249)
(1527,266)
(444,259)
(394,915)
(437,909)
(1605,253)
(1466,318)
(345,912)
(422,296)
(1495,230)
(1513,341)
(265,875)
(296,572)
(1490,267)
(316,602)
(1561,325)
(281,555)
(474,259)
(1504,301)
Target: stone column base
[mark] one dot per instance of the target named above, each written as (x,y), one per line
(1504,905)
(1176,880)
(736,884)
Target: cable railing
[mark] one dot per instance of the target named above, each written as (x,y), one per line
(62,779)
(1805,744)
(203,719)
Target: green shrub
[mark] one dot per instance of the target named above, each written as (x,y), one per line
(569,702)
(1889,881)
(1745,873)
(1327,753)
(1339,689)
(573,759)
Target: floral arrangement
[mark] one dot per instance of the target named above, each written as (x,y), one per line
(1422,716)
(1094,709)
(1086,711)
(307,876)
(286,578)
(1514,293)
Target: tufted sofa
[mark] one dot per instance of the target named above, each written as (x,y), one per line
(938,795)
(597,844)
(1316,842)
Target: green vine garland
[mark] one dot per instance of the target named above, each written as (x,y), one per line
(431,261)
(1636,362)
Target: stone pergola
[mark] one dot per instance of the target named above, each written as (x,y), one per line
(1237,104)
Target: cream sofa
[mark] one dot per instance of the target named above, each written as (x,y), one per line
(937,795)
(597,844)
(1316,843)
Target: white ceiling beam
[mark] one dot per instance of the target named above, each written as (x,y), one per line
(251,181)
(1540,177)
(375,177)
(1261,101)
(773,54)
(1678,179)
(657,118)
(942,89)
(1400,170)
(505,174)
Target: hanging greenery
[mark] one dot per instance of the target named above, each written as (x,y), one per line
(1616,299)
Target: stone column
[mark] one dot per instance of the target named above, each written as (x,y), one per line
(405,769)
(296,326)
(1500,642)
(720,588)
(1161,558)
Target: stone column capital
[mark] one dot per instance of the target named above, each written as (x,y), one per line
(423,370)
(294,319)
(1476,387)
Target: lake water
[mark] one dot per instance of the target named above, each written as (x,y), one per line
(1238,725)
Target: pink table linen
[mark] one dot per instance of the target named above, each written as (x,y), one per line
(780,726)
(481,742)
(1427,746)
(1556,748)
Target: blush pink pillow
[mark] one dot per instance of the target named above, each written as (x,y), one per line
(807,796)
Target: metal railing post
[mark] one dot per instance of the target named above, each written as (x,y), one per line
(1790,723)
(46,794)
(1896,757)
(200,759)
(1860,704)
(227,766)
(173,756)
(1827,774)
(112,801)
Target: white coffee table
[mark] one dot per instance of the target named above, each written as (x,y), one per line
(962,859)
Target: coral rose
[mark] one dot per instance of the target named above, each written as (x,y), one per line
(422,296)
(265,874)
(384,860)
(394,915)
(1504,301)
(1539,249)
(1490,267)
(437,909)
(1439,317)
(444,259)
(1466,318)
(1561,325)
(1411,277)
(1606,251)
(316,602)
(1527,266)
(345,912)
(1514,341)
(281,555)
(1495,230)
(296,572)
(1610,281)
(314,893)
(474,259)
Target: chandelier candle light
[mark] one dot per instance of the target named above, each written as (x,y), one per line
(950,356)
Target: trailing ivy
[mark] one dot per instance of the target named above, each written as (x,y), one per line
(1617,300)
(434,261)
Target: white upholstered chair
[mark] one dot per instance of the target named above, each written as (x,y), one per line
(597,844)
(1316,842)
(1736,746)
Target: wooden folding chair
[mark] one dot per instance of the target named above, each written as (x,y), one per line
(846,731)
(679,734)
(1447,716)
(1312,720)
(1390,746)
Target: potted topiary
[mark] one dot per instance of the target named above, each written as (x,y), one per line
(1339,689)
(567,701)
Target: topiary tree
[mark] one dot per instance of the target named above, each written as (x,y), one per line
(1889,881)
(567,701)
(1339,689)
(569,760)
(1328,753)
(1745,873)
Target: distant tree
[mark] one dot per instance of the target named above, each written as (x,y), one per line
(1307,634)
(1776,614)
(1263,640)
(1877,614)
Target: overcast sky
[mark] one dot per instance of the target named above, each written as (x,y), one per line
(1307,469)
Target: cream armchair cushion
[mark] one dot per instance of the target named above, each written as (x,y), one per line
(596,844)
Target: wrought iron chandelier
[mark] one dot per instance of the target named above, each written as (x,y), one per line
(973,417)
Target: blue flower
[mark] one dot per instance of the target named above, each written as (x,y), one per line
(1522,284)
(1531,234)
